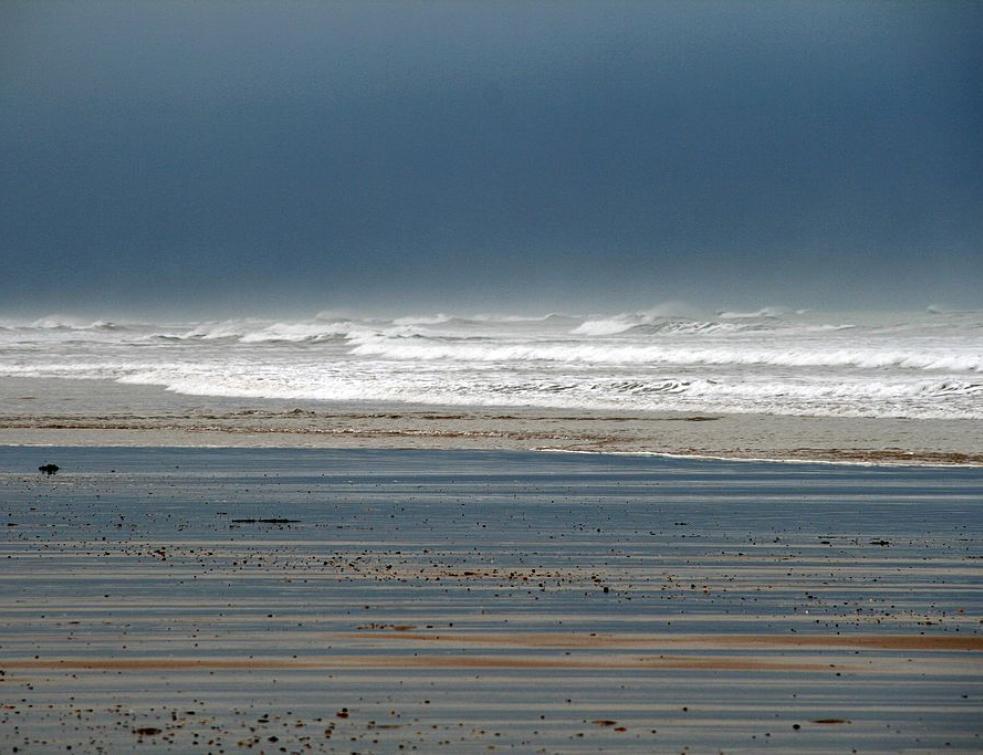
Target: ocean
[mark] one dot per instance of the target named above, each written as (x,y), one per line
(912,365)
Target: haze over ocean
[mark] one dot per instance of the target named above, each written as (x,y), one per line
(187,160)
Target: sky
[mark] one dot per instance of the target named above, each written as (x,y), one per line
(278,157)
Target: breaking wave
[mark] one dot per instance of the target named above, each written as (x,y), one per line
(772,360)
(671,355)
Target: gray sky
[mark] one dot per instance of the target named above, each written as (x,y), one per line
(237,157)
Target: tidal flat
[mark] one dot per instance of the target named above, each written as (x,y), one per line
(61,412)
(357,600)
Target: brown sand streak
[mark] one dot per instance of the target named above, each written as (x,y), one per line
(437,662)
(643,641)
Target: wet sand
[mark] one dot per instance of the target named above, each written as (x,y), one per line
(290,600)
(104,413)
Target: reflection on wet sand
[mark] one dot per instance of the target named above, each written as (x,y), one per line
(318,600)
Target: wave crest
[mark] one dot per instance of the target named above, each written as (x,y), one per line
(769,361)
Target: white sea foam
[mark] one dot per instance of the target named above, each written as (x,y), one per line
(607,326)
(773,361)
(618,354)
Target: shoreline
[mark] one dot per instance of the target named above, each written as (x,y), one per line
(888,461)
(62,412)
(912,462)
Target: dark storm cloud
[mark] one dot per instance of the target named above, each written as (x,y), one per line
(253,155)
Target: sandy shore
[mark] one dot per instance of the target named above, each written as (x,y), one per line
(92,412)
(379,600)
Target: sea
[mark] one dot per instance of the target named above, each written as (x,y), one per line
(926,364)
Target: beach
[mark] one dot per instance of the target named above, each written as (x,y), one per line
(378,600)
(543,377)
(53,411)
